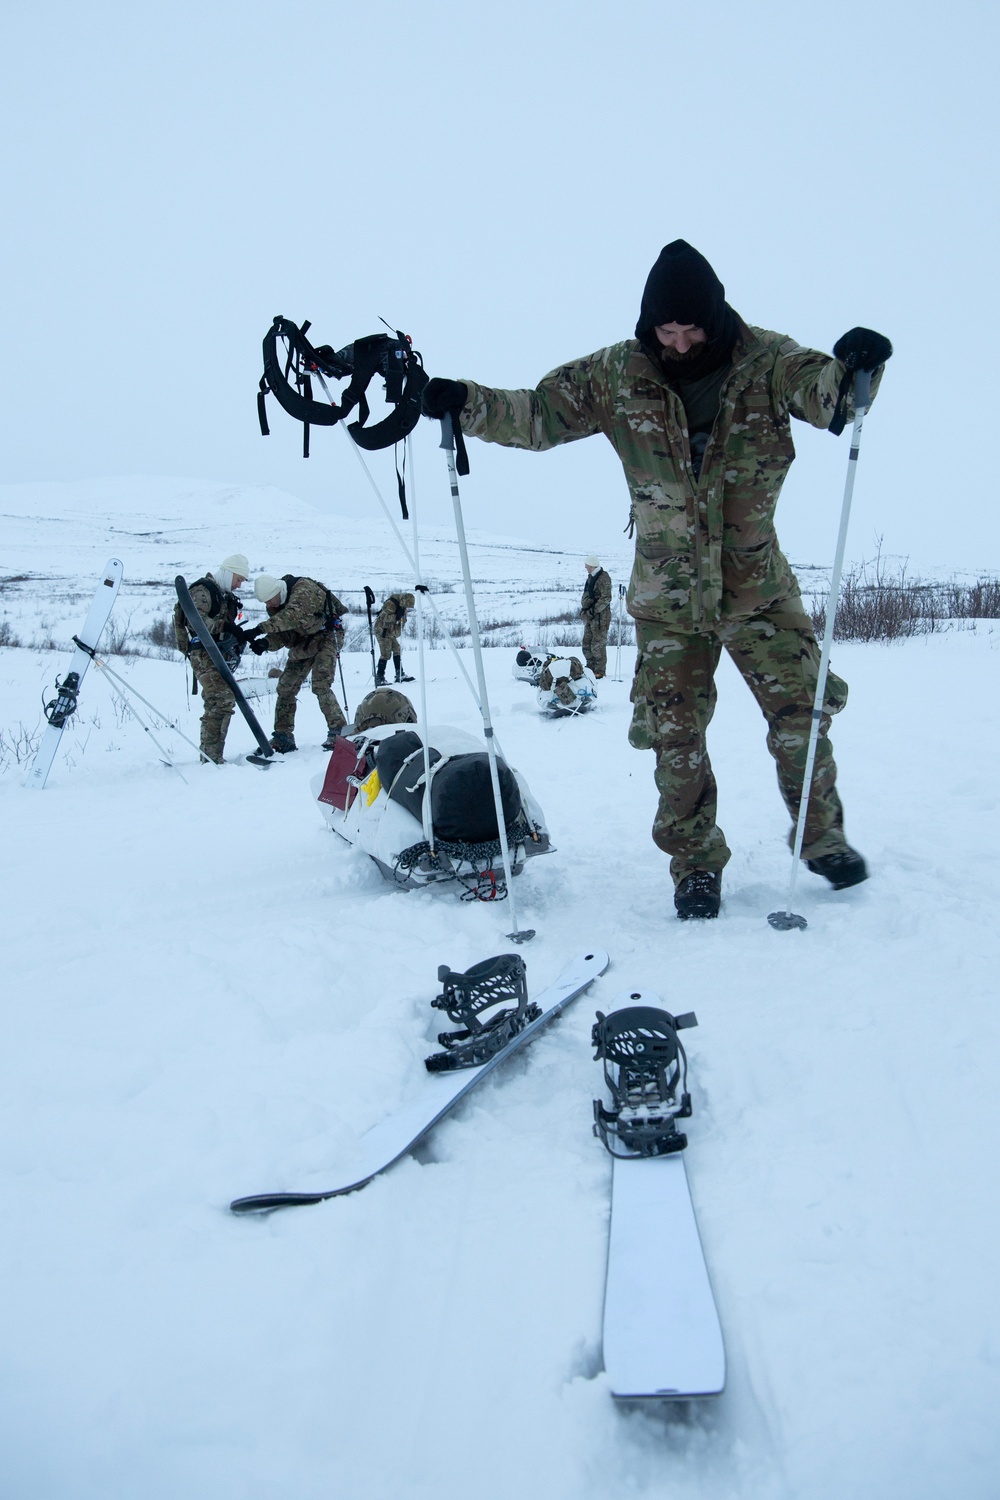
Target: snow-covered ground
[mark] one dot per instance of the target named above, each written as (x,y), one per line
(208,994)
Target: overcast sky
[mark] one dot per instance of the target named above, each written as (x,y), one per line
(496,180)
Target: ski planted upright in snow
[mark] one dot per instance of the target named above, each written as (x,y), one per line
(440,1088)
(662,1336)
(63,706)
(265,753)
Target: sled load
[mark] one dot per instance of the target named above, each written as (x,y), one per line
(372,794)
(566,687)
(529,664)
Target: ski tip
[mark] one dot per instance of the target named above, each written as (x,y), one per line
(523,935)
(786,921)
(262,1203)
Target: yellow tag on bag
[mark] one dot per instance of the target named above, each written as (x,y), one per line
(371,786)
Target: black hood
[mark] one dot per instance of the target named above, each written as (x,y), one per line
(682,288)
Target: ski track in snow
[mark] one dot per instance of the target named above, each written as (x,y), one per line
(207,995)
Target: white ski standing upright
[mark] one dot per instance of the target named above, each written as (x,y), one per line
(662,1336)
(63,706)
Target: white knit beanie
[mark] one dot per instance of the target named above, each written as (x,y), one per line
(267,588)
(593,561)
(230,566)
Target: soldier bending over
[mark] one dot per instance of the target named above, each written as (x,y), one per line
(306,617)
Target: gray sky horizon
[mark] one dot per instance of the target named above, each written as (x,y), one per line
(497,184)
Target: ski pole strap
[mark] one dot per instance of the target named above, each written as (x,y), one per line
(453,438)
(862,381)
(91,652)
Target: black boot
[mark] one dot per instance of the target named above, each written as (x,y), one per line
(699,895)
(283,743)
(846,867)
(401,676)
(380,673)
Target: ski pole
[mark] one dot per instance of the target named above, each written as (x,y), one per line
(343,687)
(786,920)
(109,672)
(519,935)
(420,590)
(369,601)
(618,651)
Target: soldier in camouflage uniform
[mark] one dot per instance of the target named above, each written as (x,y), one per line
(388,628)
(306,617)
(215,600)
(595,607)
(698,408)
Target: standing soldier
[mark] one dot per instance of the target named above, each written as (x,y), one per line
(698,407)
(215,599)
(388,628)
(306,617)
(595,607)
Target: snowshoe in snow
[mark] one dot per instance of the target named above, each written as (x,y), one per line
(845,868)
(466,996)
(645,1067)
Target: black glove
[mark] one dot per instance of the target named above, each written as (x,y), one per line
(862,349)
(442,396)
(258,645)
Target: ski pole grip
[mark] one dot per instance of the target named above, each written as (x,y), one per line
(448,432)
(862,390)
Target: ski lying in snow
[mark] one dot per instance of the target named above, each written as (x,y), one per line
(265,754)
(63,705)
(435,1096)
(662,1337)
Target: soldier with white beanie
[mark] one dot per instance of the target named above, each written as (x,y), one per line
(595,607)
(215,599)
(307,617)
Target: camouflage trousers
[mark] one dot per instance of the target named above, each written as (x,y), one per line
(388,644)
(322,663)
(218,701)
(674,698)
(595,641)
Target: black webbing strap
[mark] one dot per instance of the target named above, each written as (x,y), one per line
(839,419)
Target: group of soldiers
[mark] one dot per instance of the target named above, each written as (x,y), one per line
(304,617)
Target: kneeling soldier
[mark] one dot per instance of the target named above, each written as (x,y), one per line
(306,617)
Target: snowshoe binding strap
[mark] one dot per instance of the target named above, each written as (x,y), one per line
(464,999)
(292,363)
(645,1068)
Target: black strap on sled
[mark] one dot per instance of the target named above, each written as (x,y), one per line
(292,363)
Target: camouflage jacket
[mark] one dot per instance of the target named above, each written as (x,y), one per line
(218,624)
(596,596)
(705,549)
(309,613)
(391,618)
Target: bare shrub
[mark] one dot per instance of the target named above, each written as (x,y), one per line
(161,635)
(8,636)
(877,603)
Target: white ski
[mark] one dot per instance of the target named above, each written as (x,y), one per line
(662,1336)
(432,1097)
(63,706)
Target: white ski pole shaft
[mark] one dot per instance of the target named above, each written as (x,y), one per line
(128,688)
(119,694)
(862,397)
(422,726)
(448,444)
(618,649)
(409,557)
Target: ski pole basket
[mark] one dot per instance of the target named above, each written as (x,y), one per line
(466,997)
(645,1068)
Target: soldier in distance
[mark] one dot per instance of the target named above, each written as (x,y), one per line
(698,407)
(388,628)
(595,608)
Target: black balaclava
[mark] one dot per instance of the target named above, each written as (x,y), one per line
(683,288)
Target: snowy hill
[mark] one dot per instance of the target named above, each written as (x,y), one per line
(208,994)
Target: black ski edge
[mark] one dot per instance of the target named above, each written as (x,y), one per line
(266,753)
(267,1202)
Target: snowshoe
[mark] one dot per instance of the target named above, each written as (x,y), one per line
(699,895)
(845,868)
(645,1068)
